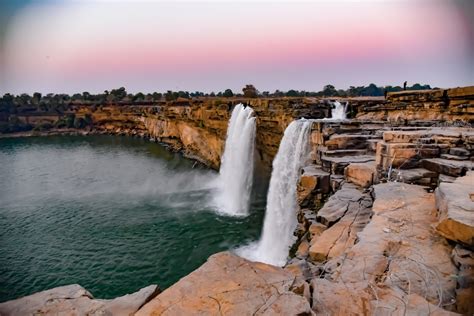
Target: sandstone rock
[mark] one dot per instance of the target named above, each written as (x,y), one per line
(342,235)
(337,205)
(464,260)
(316,229)
(459,151)
(336,165)
(391,302)
(398,247)
(75,300)
(347,141)
(229,285)
(456,209)
(303,248)
(313,180)
(361,174)
(453,168)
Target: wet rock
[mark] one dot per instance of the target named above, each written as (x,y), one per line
(75,300)
(361,174)
(456,209)
(229,285)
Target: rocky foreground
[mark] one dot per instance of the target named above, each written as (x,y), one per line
(386,224)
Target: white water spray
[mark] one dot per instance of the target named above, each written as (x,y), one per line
(280,217)
(234,184)
(339,111)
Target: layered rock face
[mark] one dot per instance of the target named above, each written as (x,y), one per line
(382,235)
(198,128)
(428,105)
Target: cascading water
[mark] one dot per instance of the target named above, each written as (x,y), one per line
(280,217)
(339,111)
(234,184)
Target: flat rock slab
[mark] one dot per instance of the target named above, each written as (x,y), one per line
(75,300)
(229,285)
(454,168)
(399,248)
(455,202)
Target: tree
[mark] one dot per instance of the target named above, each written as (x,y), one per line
(119,93)
(250,91)
(329,91)
(171,96)
(138,97)
(228,93)
(292,93)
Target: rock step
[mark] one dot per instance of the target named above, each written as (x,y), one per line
(348,141)
(448,167)
(362,174)
(455,202)
(336,165)
(343,152)
(454,157)
(418,176)
(458,151)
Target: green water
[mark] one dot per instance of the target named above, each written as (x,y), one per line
(112,214)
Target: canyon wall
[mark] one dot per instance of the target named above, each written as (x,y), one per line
(197,127)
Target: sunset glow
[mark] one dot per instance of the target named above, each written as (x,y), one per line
(70,46)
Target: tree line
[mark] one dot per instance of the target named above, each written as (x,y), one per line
(59,103)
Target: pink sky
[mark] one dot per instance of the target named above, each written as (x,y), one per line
(75,46)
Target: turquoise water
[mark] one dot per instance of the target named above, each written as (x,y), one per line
(113,214)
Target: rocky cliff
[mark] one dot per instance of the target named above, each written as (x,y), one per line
(197,127)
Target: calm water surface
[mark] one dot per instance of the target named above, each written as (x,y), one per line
(112,214)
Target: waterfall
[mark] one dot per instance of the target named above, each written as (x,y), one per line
(234,183)
(339,111)
(280,217)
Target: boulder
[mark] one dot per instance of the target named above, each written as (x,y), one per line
(229,285)
(361,174)
(456,209)
(75,300)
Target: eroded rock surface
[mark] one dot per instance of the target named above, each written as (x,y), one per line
(75,300)
(229,285)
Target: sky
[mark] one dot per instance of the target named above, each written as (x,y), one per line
(95,45)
